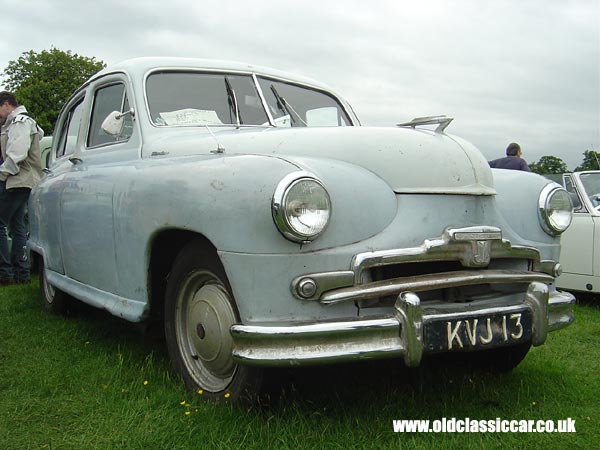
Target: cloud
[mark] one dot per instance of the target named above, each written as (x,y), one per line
(506,70)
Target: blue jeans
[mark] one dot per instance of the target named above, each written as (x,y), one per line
(13,204)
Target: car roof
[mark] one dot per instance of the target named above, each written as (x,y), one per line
(146,64)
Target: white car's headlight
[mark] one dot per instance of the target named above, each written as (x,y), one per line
(555,209)
(301,207)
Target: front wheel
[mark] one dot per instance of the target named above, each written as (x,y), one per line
(199,312)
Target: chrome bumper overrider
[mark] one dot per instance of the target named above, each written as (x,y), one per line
(399,335)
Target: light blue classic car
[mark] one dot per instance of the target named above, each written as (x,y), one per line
(249,211)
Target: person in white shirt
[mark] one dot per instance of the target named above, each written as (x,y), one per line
(20,171)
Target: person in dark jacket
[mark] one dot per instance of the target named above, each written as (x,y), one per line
(512,160)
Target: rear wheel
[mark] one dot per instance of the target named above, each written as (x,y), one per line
(54,300)
(199,312)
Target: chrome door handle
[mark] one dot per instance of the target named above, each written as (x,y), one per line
(75,160)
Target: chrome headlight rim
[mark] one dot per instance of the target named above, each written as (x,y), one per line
(544,212)
(278,207)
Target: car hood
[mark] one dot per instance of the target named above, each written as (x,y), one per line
(409,160)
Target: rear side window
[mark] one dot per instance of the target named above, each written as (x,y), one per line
(69,131)
(106,100)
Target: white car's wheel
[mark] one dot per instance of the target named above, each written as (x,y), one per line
(199,312)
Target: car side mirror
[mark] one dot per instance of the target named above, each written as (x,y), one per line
(113,124)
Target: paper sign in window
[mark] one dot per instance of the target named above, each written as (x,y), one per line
(191,117)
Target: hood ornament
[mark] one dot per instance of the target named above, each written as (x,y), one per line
(441,121)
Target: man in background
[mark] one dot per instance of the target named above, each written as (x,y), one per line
(512,160)
(20,171)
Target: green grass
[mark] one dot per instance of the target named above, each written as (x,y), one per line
(92,382)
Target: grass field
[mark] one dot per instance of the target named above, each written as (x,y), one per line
(93,382)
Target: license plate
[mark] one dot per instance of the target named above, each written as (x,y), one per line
(486,331)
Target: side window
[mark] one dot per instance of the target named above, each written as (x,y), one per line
(70,129)
(577,205)
(106,100)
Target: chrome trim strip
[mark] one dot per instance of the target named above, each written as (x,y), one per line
(263,100)
(312,329)
(428,282)
(324,282)
(472,246)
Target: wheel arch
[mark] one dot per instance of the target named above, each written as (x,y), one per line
(164,248)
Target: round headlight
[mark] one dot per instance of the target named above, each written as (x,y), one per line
(555,209)
(301,207)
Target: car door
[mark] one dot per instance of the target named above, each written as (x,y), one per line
(577,243)
(47,196)
(87,228)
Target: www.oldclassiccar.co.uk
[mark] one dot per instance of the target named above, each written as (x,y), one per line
(497,425)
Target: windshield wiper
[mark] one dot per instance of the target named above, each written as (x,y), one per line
(284,106)
(281,103)
(232,100)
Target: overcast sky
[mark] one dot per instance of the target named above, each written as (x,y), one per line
(507,70)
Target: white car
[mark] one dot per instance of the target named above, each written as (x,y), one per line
(580,244)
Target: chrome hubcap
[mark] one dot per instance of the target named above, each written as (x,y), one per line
(204,317)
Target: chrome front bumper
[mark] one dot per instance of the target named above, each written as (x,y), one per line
(398,335)
(484,257)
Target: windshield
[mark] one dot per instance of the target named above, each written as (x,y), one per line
(194,98)
(178,98)
(298,106)
(591,183)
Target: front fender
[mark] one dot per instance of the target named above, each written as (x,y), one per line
(517,198)
(228,200)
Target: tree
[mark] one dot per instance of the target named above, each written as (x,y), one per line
(549,164)
(44,81)
(591,161)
